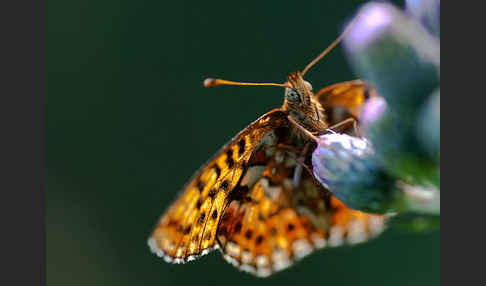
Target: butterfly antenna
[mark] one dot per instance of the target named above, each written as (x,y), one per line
(331,46)
(209,82)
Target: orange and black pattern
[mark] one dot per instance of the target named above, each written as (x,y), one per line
(279,220)
(255,199)
(188,228)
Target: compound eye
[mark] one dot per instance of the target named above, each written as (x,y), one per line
(292,95)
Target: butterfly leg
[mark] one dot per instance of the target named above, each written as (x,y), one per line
(301,163)
(291,151)
(343,124)
(300,160)
(298,173)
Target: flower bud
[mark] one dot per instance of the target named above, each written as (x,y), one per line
(347,166)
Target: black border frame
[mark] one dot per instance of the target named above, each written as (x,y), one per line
(23,61)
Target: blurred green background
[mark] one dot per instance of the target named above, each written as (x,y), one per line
(128,122)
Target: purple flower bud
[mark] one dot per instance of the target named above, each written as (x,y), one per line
(336,154)
(348,167)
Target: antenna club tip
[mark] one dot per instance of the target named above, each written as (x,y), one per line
(209,82)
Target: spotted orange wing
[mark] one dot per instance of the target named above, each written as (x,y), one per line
(349,95)
(188,227)
(281,218)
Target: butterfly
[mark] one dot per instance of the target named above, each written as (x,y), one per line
(256,200)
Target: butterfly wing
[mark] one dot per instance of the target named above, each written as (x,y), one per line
(248,202)
(280,220)
(188,227)
(349,95)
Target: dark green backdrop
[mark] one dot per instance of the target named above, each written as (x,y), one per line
(128,122)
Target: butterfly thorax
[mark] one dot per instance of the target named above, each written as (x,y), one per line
(301,104)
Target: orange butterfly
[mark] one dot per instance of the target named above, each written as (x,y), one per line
(256,200)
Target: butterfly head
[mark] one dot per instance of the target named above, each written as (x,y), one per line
(299,91)
(299,100)
(302,105)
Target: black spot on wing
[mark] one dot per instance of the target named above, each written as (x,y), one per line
(259,239)
(238,227)
(201,218)
(229,158)
(290,227)
(225,185)
(187,230)
(239,193)
(200,186)
(241,147)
